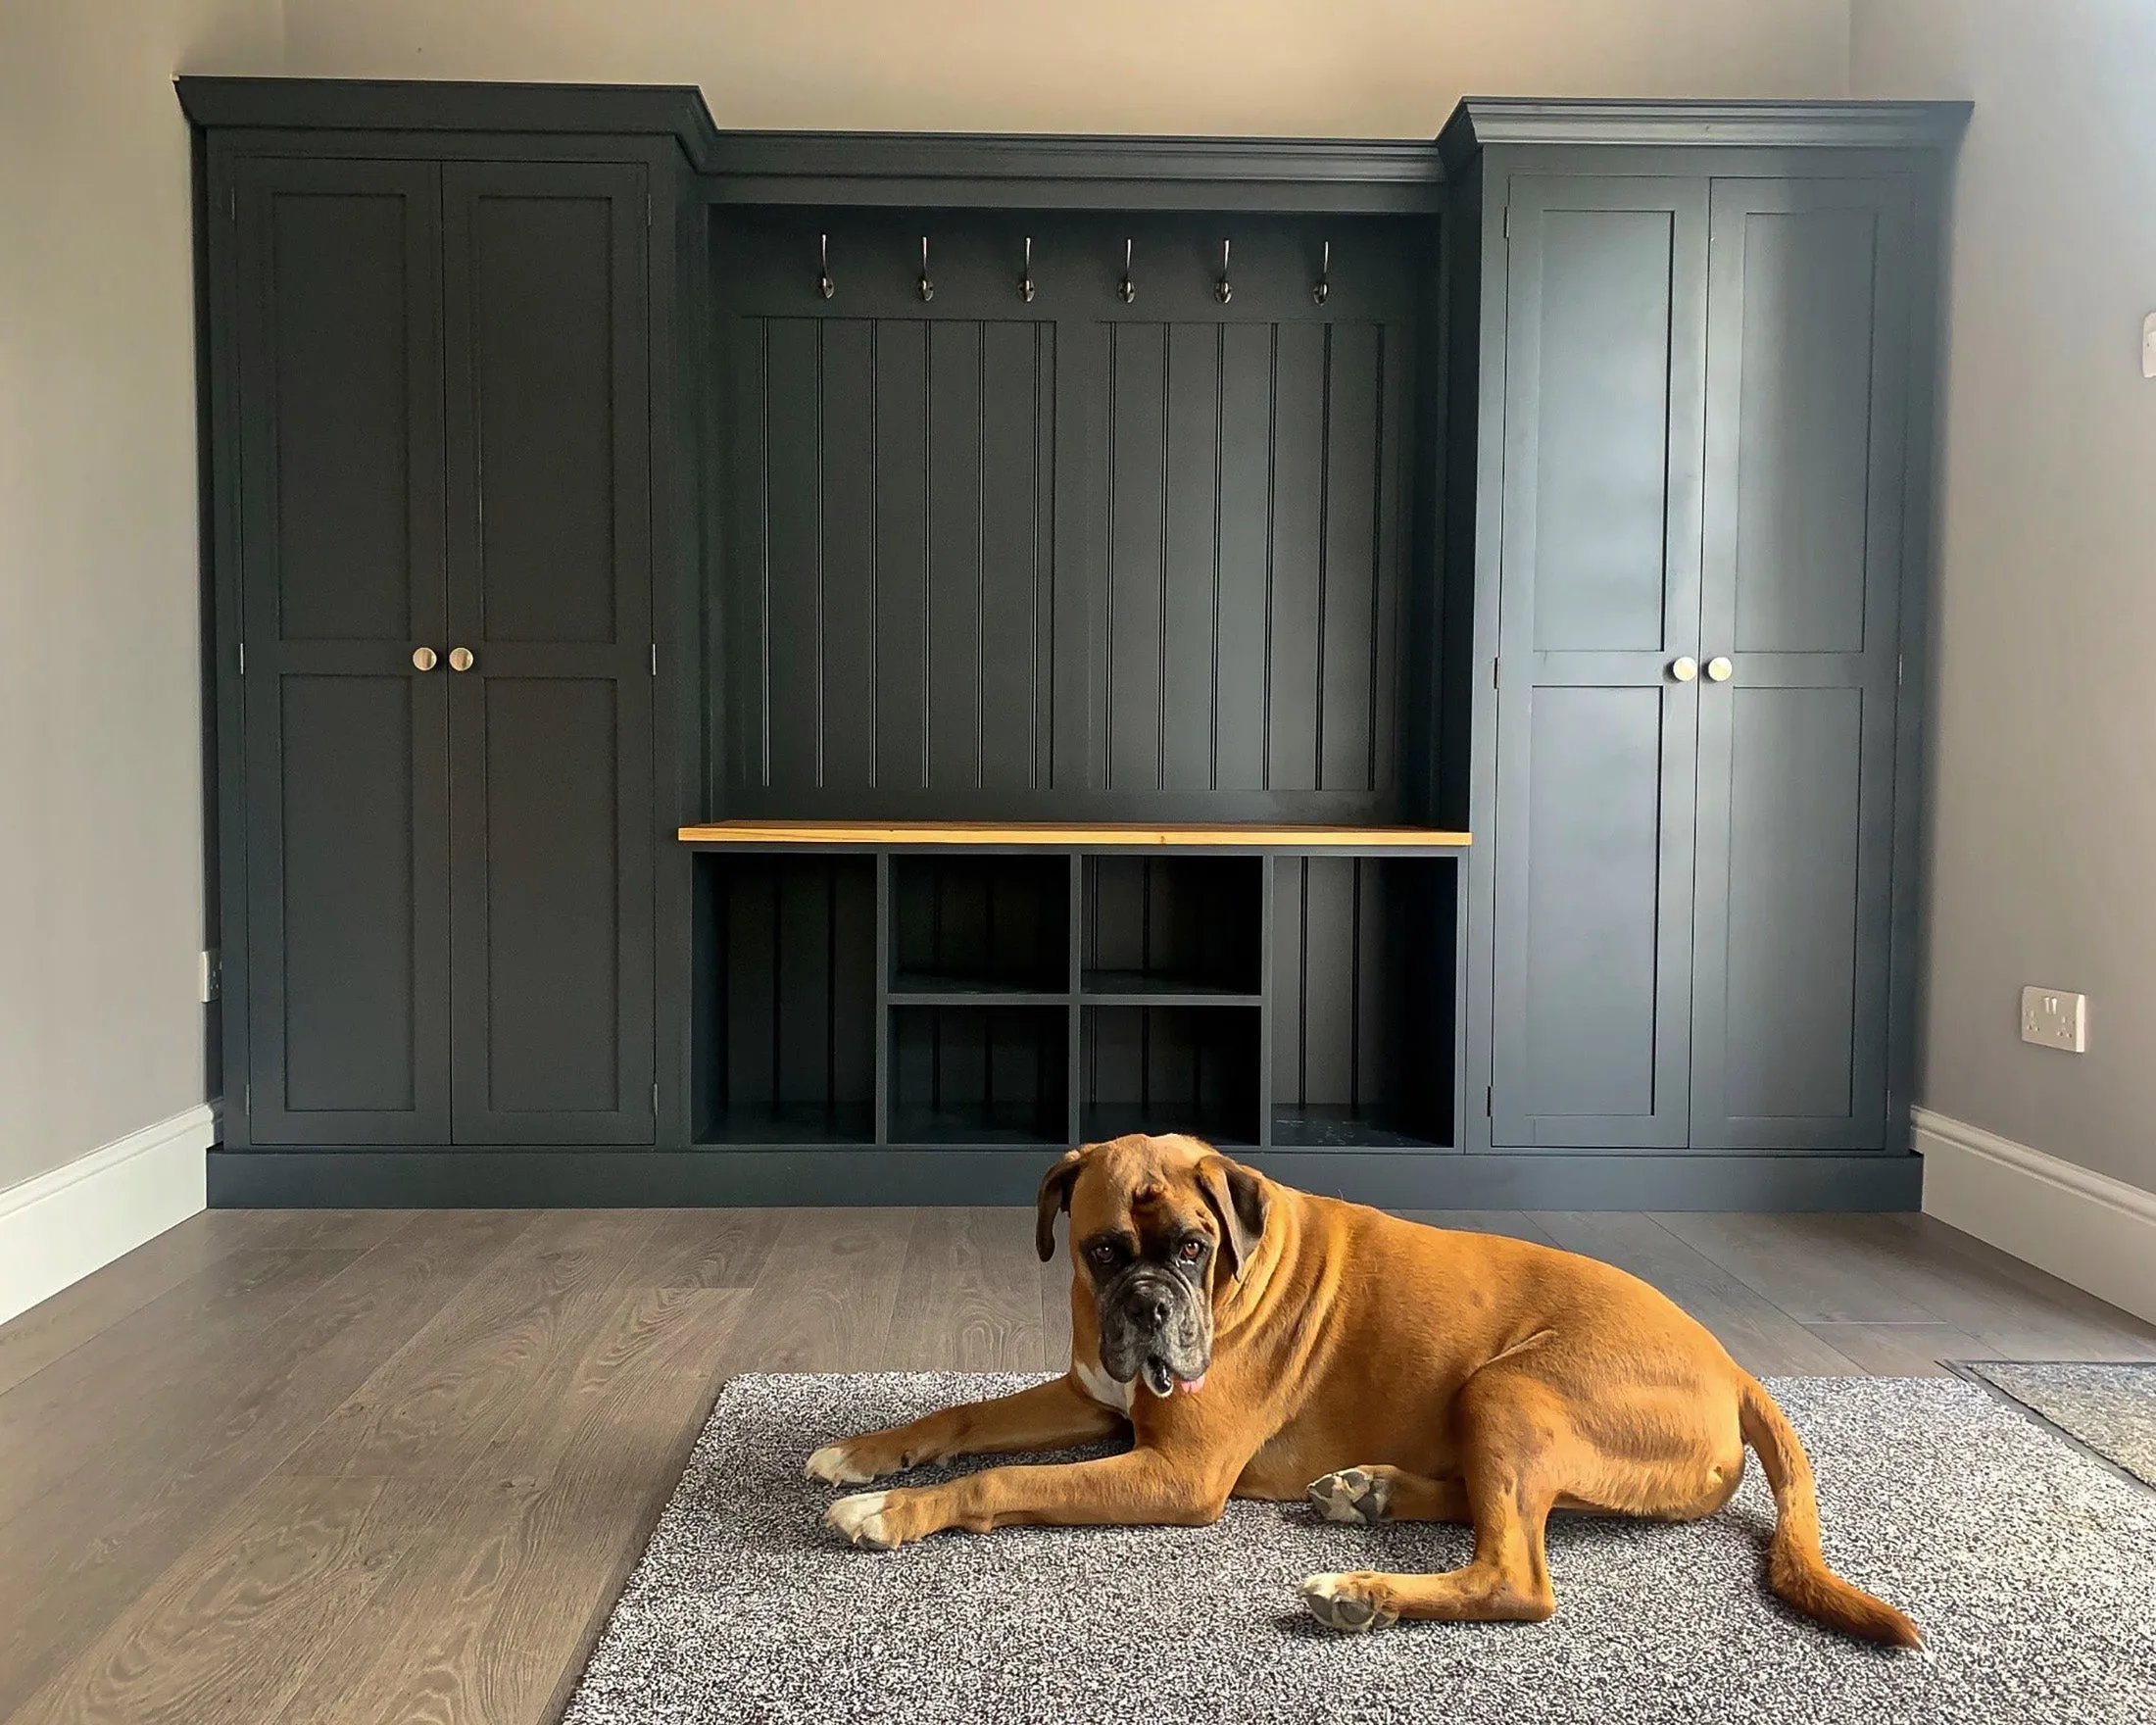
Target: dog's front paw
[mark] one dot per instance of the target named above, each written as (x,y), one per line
(841,1465)
(867,1518)
(1355,1603)
(1355,1494)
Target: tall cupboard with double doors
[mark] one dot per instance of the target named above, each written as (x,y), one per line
(433,394)
(1700,478)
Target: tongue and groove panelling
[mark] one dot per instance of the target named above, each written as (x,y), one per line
(984,556)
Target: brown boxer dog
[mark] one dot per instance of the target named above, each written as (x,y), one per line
(1253,1338)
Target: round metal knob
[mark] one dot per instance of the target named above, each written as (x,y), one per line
(460,659)
(1719,669)
(1683,670)
(422,658)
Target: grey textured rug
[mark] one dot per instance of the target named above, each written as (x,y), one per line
(2112,1408)
(2030,1566)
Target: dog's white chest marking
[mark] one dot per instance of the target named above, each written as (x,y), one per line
(1102,1388)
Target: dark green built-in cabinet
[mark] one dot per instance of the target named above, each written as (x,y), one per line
(1565,481)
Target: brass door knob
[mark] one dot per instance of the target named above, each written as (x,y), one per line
(422,658)
(1719,669)
(1683,670)
(460,659)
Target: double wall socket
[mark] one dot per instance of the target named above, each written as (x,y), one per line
(2051,1019)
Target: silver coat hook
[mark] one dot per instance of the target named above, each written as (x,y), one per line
(1129,290)
(1323,291)
(1223,289)
(823,278)
(1025,280)
(928,287)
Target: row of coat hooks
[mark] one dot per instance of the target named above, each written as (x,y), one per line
(1126,290)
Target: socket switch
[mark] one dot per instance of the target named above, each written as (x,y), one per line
(2053,1019)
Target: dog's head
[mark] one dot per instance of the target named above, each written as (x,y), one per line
(1164,1226)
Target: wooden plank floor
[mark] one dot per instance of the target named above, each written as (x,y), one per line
(389,1466)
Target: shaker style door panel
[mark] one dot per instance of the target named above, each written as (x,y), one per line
(550,739)
(338,353)
(1600,595)
(1806,367)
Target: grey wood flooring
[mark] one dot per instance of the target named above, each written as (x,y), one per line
(393,1466)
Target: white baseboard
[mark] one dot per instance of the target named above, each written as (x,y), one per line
(2086,1228)
(58,1227)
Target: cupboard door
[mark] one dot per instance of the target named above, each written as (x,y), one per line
(338,351)
(550,588)
(1806,365)
(1605,310)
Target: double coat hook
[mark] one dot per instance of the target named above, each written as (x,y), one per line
(1323,291)
(1223,289)
(1025,278)
(823,278)
(1128,291)
(927,288)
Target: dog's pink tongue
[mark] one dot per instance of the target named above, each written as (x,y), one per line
(1190,1386)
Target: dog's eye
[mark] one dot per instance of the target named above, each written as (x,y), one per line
(1192,1251)
(1103,1255)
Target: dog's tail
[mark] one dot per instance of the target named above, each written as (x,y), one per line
(1797,1565)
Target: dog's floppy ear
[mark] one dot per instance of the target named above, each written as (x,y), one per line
(1055,1198)
(1238,1198)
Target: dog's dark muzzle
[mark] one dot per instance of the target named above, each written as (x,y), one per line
(1153,1325)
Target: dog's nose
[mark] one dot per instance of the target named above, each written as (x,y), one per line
(1157,1309)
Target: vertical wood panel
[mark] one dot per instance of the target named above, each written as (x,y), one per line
(1602,480)
(353,878)
(901,505)
(1347,625)
(1328,980)
(544,315)
(951,671)
(1243,511)
(1138,380)
(1017,606)
(338,337)
(1301,363)
(1189,648)
(1804,426)
(793,564)
(554,897)
(848,663)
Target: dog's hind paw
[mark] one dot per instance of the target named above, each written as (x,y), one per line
(1355,1494)
(1349,1602)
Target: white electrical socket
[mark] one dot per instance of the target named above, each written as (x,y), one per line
(210,975)
(2053,1018)
(2148,345)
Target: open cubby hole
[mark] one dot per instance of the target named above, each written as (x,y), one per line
(1190,926)
(1363,975)
(980,924)
(785,1020)
(1172,1068)
(986,1074)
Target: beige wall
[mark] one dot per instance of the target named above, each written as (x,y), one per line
(2044,838)
(100,784)
(1339,67)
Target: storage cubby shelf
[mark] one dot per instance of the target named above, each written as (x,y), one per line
(1025,998)
(1072,836)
